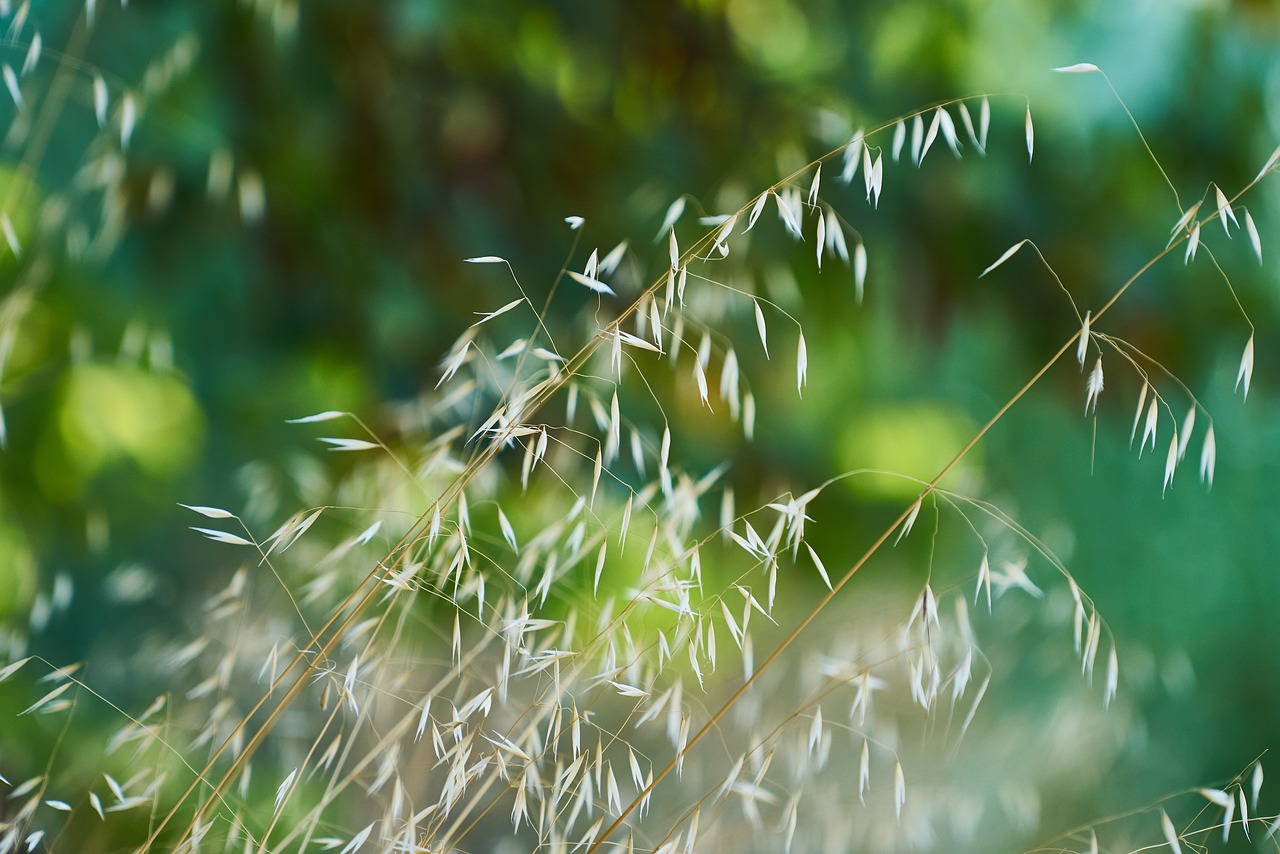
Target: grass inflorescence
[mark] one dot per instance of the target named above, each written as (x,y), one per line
(520,620)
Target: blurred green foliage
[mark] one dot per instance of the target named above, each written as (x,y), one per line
(393,139)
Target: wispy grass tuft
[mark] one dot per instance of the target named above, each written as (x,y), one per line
(520,620)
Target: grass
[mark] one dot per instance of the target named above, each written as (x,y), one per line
(519,620)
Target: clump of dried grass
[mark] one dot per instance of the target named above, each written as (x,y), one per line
(533,628)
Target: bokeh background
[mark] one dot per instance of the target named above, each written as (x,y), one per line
(285,234)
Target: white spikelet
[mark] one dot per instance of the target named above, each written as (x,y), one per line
(1031,136)
(1188,426)
(984,581)
(1137,416)
(967,119)
(910,520)
(1008,253)
(1270,164)
(1083,346)
(10,234)
(1208,457)
(821,238)
(1170,834)
(899,790)
(700,377)
(1149,430)
(1170,462)
(1192,244)
(100,100)
(1224,210)
(1078,68)
(1183,221)
(853,157)
(1254,240)
(984,121)
(1094,387)
(948,128)
(760,327)
(11,83)
(1244,812)
(1245,374)
(674,211)
(757,208)
(1113,678)
(802,365)
(864,771)
(859,271)
(1216,796)
(877,170)
(33,54)
(128,118)
(930,135)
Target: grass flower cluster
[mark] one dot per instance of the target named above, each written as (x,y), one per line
(522,619)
